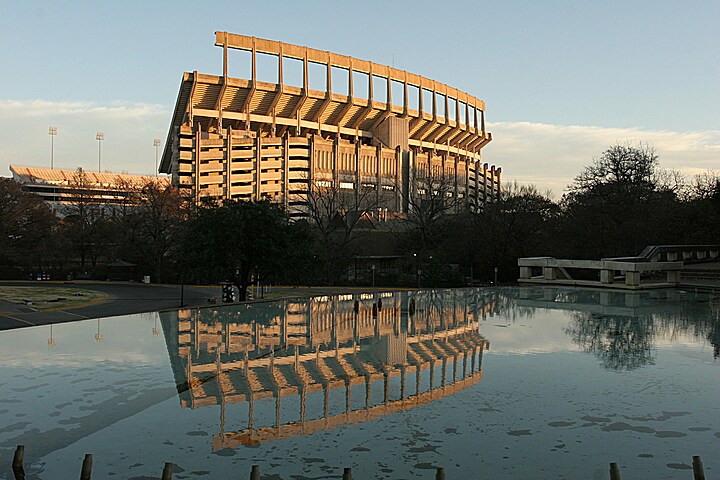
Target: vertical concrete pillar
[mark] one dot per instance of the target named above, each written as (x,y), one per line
(358,185)
(632,279)
(673,276)
(398,167)
(286,170)
(336,160)
(378,176)
(386,387)
(228,164)
(367,392)
(418,373)
(258,166)
(607,276)
(549,273)
(525,273)
(432,374)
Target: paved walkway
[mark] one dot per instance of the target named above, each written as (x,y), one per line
(125,298)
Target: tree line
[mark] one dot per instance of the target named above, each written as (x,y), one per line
(618,204)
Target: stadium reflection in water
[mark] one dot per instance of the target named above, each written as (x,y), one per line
(427,344)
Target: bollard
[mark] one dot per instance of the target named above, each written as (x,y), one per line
(255,473)
(614,472)
(167,471)
(698,471)
(347,473)
(86,471)
(440,474)
(17,463)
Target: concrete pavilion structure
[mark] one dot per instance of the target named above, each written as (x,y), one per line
(365,128)
(61,188)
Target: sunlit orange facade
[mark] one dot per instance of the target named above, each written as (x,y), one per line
(367,127)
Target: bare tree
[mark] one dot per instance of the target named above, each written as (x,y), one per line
(706,185)
(159,215)
(26,223)
(335,212)
(85,220)
(623,166)
(432,200)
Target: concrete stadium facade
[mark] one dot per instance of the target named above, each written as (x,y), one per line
(369,130)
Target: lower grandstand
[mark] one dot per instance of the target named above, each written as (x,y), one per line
(60,188)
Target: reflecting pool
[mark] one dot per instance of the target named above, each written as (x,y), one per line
(495,383)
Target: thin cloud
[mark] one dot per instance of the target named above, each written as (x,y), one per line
(129,130)
(551,156)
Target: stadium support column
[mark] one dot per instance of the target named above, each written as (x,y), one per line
(258,166)
(335,161)
(198,149)
(228,164)
(477,185)
(485,182)
(286,169)
(357,171)
(378,176)
(311,165)
(408,176)
(455,176)
(467,181)
(396,180)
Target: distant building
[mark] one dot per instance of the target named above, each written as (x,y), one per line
(371,130)
(61,188)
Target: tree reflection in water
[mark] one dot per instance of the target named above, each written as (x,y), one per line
(622,328)
(621,343)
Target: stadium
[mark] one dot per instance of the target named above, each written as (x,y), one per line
(378,135)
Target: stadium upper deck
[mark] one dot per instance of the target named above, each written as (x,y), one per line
(369,126)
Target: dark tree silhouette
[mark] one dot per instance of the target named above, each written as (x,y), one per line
(236,241)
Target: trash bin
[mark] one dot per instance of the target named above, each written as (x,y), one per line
(228,292)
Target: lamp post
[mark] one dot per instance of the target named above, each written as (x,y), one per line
(98,335)
(99,136)
(51,341)
(373,274)
(155,330)
(156,144)
(496,270)
(417,269)
(52,131)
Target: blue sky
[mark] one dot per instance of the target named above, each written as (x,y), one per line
(562,80)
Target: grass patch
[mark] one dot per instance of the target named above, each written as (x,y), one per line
(50,298)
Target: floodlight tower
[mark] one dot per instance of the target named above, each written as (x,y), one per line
(52,131)
(156,144)
(99,136)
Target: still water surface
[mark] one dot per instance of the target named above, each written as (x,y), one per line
(503,383)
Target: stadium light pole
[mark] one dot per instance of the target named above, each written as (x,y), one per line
(99,136)
(52,131)
(156,144)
